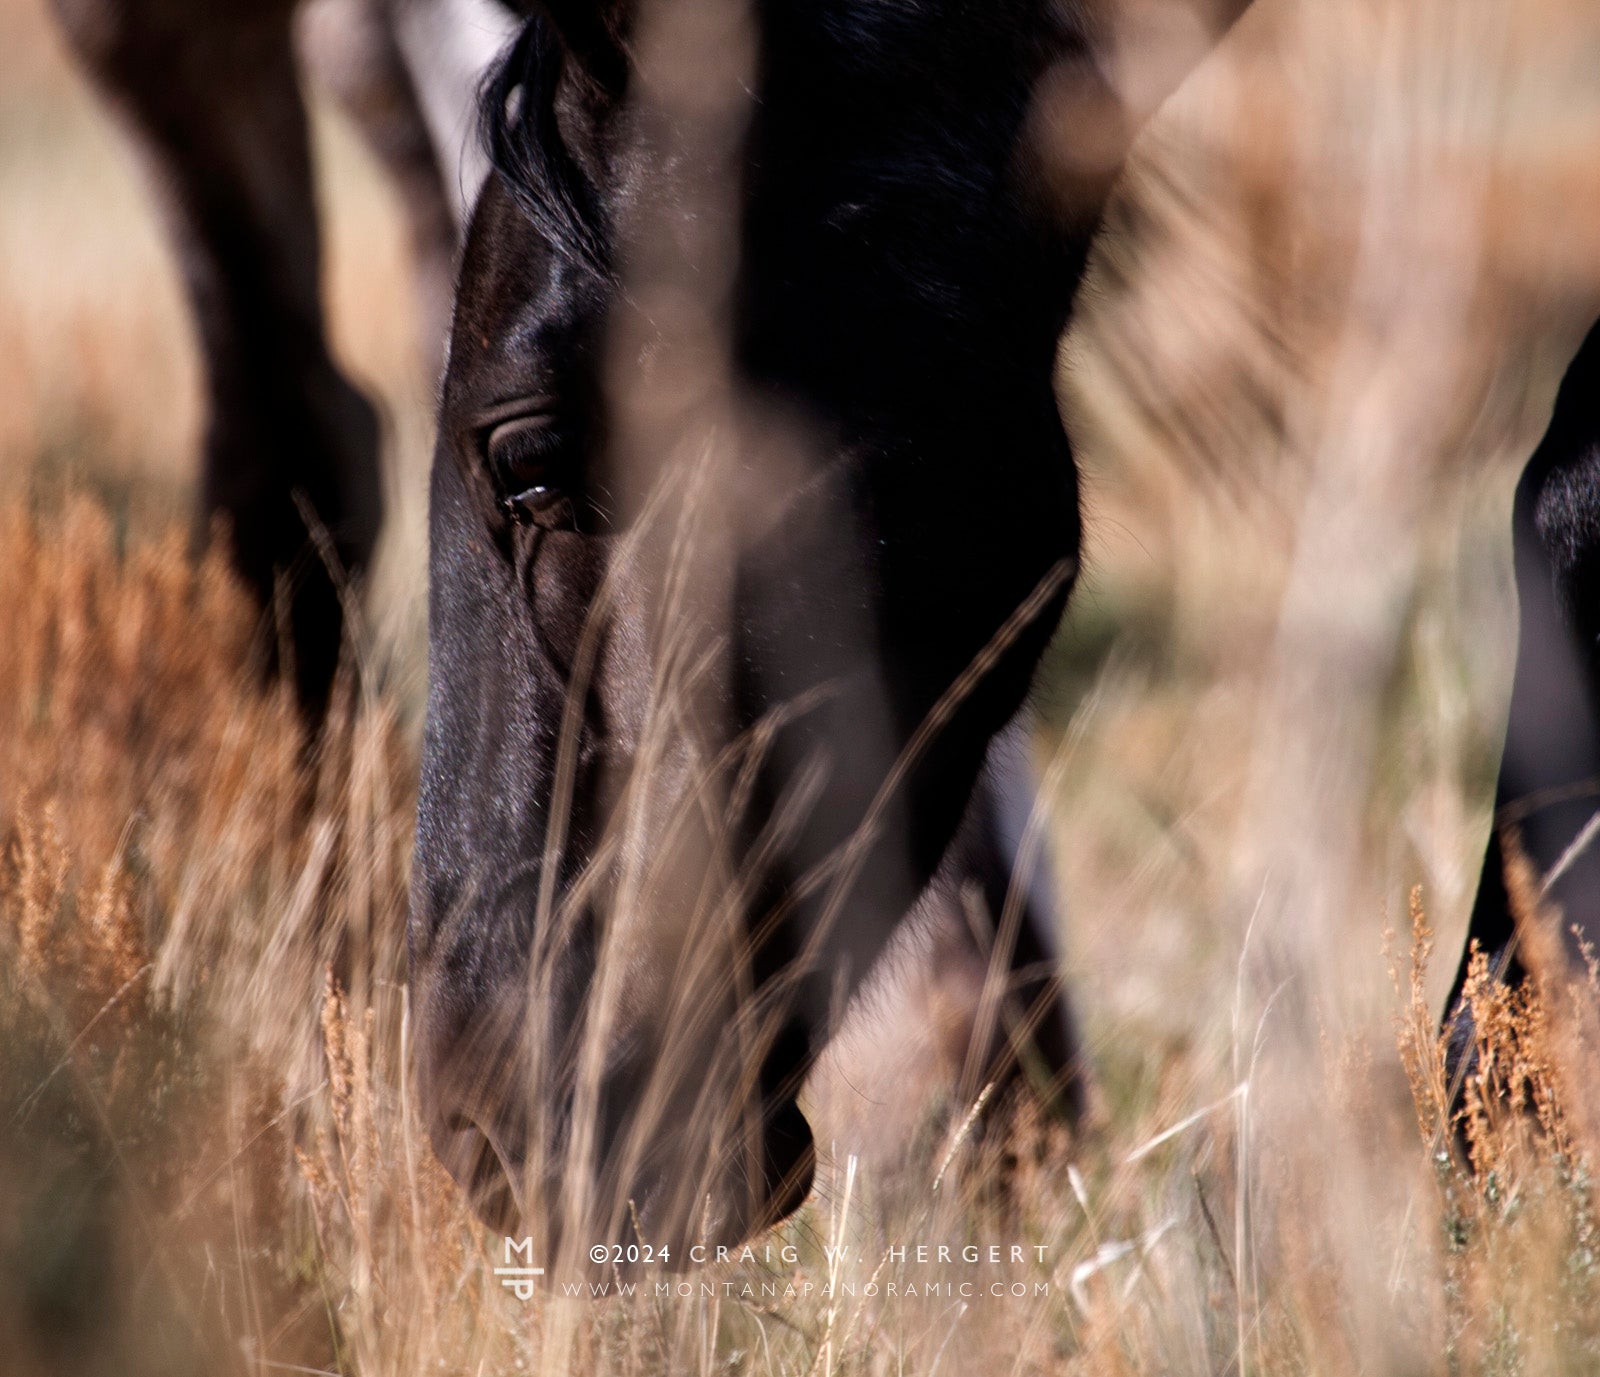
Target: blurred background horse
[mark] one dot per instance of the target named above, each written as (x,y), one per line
(211,98)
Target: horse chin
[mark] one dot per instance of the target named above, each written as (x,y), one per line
(682,1229)
(689,1231)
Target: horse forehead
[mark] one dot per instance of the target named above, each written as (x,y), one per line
(517,305)
(504,268)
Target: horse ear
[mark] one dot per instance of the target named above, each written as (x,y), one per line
(590,31)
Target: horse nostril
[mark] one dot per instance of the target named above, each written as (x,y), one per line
(472,1156)
(791,1162)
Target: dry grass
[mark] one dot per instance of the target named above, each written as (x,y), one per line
(213,1163)
(1347,262)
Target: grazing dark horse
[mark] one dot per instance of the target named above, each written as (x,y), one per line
(907,260)
(210,94)
(630,942)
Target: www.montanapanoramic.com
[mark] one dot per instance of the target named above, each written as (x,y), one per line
(791,1289)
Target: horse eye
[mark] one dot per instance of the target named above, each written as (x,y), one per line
(522,454)
(541,506)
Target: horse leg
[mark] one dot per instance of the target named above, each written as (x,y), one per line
(1024,1028)
(209,93)
(353,48)
(1548,792)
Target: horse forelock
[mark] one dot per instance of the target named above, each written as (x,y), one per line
(527,150)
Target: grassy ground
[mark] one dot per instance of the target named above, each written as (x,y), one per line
(1345,267)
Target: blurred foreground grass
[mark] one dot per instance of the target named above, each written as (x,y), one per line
(210,1159)
(1320,336)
